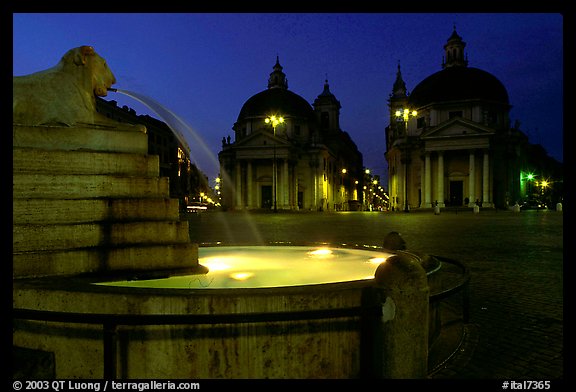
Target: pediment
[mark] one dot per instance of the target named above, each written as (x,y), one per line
(457,127)
(260,139)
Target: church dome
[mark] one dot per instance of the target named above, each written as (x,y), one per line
(275,101)
(456,81)
(457,84)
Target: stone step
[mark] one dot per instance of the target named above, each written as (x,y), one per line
(62,211)
(105,260)
(125,139)
(27,238)
(45,186)
(89,199)
(28,160)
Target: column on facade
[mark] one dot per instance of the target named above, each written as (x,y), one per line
(319,192)
(249,186)
(471,179)
(312,195)
(279,183)
(486,201)
(396,183)
(295,176)
(427,181)
(406,184)
(440,186)
(422,185)
(285,187)
(238,184)
(317,188)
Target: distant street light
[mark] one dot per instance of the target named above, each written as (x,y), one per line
(404,115)
(343,187)
(275,121)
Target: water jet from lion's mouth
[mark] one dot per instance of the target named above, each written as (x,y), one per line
(176,125)
(174,122)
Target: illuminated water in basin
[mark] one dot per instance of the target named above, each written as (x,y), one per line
(271,266)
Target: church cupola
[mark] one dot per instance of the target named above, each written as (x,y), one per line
(277,78)
(454,52)
(327,109)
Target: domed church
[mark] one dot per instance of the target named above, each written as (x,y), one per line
(290,155)
(449,142)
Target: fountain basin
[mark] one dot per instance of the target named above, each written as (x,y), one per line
(341,340)
(270,266)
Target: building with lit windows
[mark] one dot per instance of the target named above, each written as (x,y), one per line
(450,143)
(290,155)
(186,181)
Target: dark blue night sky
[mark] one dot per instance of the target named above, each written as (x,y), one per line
(203,67)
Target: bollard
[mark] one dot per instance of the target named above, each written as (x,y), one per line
(404,332)
(559,207)
(436,210)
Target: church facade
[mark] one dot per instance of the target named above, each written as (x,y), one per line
(290,155)
(449,142)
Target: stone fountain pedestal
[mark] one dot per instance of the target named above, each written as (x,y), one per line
(89,199)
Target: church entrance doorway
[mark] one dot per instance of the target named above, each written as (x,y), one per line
(266,201)
(456,193)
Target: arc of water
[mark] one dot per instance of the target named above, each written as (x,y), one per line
(175,123)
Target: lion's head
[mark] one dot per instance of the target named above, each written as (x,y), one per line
(97,68)
(66,93)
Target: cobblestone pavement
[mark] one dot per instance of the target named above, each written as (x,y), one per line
(516,268)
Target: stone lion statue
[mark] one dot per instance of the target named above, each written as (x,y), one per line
(64,94)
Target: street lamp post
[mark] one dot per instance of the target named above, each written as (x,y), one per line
(366,194)
(274,120)
(343,194)
(403,115)
(373,190)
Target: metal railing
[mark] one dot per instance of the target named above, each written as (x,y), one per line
(461,285)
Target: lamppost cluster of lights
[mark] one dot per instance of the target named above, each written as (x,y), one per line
(275,121)
(404,115)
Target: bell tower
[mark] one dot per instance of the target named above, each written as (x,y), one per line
(327,109)
(398,101)
(399,96)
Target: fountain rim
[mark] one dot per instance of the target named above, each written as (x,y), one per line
(287,289)
(88,282)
